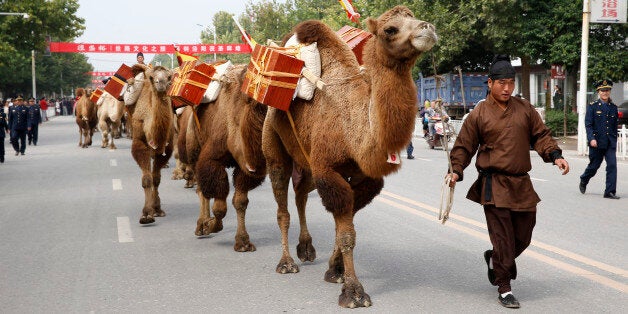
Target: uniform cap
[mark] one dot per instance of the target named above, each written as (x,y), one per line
(19,97)
(603,84)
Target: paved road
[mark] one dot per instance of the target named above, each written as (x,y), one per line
(71,242)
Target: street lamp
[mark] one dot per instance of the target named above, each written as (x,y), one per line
(214,32)
(24,15)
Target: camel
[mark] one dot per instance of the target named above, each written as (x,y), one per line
(349,132)
(229,136)
(110,111)
(86,117)
(152,137)
(186,144)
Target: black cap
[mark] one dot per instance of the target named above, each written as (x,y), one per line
(140,54)
(501,68)
(603,84)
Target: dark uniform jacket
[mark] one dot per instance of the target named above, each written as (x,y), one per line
(601,124)
(34,116)
(18,118)
(4,124)
(502,141)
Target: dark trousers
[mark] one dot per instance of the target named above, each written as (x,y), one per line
(2,146)
(596,155)
(410,149)
(21,136)
(33,134)
(510,233)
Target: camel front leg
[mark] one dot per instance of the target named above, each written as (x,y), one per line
(80,143)
(338,198)
(203,214)
(158,162)
(212,183)
(142,157)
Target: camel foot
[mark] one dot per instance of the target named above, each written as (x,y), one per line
(353,296)
(287,265)
(112,146)
(244,246)
(147,220)
(207,226)
(103,146)
(160,213)
(306,251)
(189,184)
(334,275)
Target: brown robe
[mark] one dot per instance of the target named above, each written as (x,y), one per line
(502,140)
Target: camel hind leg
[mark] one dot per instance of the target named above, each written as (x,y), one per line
(279,166)
(305,249)
(105,134)
(243,184)
(112,131)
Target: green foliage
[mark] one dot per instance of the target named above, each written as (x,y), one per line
(20,36)
(554,119)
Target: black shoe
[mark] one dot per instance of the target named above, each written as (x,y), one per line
(509,301)
(17,153)
(611,196)
(583,187)
(491,272)
(1,159)
(410,157)
(29,142)
(22,153)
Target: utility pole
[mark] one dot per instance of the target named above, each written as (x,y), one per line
(582,90)
(33,73)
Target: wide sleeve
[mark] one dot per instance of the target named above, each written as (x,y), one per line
(541,138)
(466,145)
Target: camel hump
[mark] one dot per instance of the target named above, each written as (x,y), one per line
(313,31)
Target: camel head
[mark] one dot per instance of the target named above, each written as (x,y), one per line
(79,92)
(401,35)
(160,78)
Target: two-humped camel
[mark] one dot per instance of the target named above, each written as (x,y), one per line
(86,117)
(110,111)
(348,131)
(229,136)
(152,137)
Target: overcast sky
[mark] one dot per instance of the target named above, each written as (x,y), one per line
(146,22)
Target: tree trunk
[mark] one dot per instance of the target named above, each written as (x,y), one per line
(525,78)
(548,94)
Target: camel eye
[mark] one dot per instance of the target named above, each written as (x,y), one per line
(391,31)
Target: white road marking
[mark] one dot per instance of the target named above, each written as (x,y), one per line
(113,162)
(536,179)
(424,159)
(117,184)
(124,230)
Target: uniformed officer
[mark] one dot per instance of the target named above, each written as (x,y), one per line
(4,128)
(601,125)
(34,120)
(18,123)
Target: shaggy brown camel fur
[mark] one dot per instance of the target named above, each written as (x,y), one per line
(152,137)
(110,111)
(86,117)
(348,131)
(230,136)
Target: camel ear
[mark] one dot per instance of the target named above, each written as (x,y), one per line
(372,25)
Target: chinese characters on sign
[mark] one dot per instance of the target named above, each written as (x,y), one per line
(157,49)
(608,11)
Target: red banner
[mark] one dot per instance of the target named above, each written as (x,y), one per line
(148,48)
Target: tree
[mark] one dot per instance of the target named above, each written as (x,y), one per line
(19,36)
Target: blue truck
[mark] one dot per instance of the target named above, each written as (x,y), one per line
(474,89)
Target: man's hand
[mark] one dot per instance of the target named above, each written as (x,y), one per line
(563,165)
(593,143)
(453,178)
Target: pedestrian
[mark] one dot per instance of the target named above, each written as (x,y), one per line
(43,105)
(425,120)
(18,124)
(558,98)
(4,129)
(140,58)
(34,120)
(601,125)
(501,130)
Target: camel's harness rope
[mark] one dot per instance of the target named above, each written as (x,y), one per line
(447,192)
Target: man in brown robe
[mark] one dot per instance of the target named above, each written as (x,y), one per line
(501,130)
